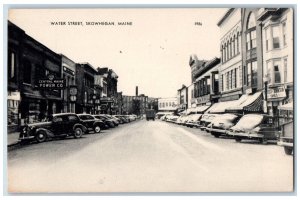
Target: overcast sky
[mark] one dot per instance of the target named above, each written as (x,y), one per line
(153,53)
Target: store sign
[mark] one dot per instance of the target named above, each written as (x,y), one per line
(51,83)
(203,99)
(14,96)
(106,100)
(275,93)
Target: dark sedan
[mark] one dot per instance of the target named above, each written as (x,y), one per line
(56,125)
(92,123)
(108,122)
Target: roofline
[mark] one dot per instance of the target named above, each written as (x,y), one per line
(229,11)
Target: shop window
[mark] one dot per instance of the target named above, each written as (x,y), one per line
(276,40)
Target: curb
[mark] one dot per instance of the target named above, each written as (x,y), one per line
(13,145)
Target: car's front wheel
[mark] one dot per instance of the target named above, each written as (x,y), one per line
(78,132)
(41,136)
(97,129)
(238,139)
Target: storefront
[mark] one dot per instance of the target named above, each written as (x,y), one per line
(248,103)
(13,102)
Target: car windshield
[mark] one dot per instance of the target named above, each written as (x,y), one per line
(249,122)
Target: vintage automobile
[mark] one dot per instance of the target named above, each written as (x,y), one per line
(259,127)
(108,122)
(206,119)
(56,125)
(180,119)
(286,122)
(122,119)
(115,120)
(220,124)
(193,120)
(91,123)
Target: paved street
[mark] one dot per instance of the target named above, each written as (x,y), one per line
(149,157)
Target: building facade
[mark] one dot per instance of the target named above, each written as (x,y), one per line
(231,71)
(29,62)
(206,86)
(87,95)
(182,98)
(68,71)
(278,60)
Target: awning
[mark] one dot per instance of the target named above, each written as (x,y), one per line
(288,106)
(249,103)
(221,106)
(201,109)
(163,113)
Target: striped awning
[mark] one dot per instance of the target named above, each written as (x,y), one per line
(253,103)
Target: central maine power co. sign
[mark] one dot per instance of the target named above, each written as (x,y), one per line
(51,83)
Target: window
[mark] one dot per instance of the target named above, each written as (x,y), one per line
(27,72)
(230,79)
(72,118)
(284,33)
(276,41)
(11,65)
(234,78)
(230,49)
(225,58)
(285,69)
(237,44)
(222,82)
(269,71)
(227,81)
(251,32)
(57,119)
(268,36)
(252,74)
(277,78)
(208,85)
(249,74)
(233,45)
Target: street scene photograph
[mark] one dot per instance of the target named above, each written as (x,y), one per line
(132,100)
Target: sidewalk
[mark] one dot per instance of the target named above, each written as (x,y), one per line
(12,138)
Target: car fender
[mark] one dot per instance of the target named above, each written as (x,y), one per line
(84,129)
(48,132)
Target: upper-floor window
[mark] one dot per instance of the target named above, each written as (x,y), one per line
(276,39)
(284,33)
(251,32)
(285,69)
(252,74)
(268,38)
(11,64)
(27,72)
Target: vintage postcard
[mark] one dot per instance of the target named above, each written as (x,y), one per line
(150,100)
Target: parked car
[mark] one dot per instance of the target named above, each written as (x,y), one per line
(56,125)
(180,119)
(108,122)
(220,124)
(194,120)
(255,127)
(92,123)
(206,119)
(287,137)
(115,120)
(123,118)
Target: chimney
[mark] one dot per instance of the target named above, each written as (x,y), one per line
(136,90)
